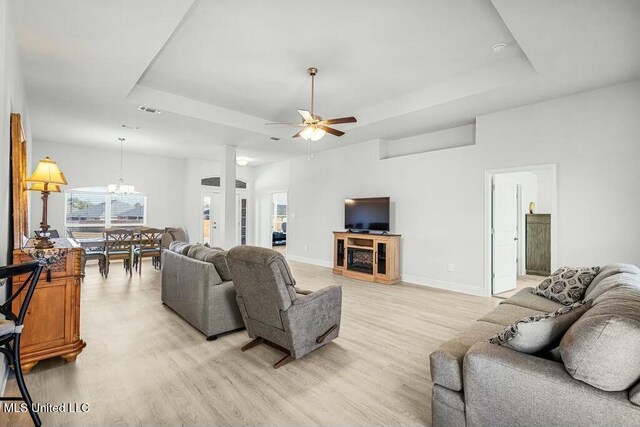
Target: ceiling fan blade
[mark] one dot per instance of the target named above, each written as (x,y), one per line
(297,134)
(332,131)
(305,114)
(338,121)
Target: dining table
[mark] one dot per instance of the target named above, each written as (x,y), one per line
(91,242)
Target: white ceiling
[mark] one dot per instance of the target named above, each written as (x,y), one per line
(219,70)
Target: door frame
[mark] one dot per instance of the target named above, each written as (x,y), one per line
(208,190)
(271,213)
(488,207)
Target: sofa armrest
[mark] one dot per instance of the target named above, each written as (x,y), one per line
(505,387)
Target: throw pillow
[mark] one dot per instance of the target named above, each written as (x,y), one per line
(181,248)
(219,259)
(602,348)
(567,285)
(212,256)
(533,334)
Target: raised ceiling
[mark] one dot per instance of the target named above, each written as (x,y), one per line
(252,56)
(219,70)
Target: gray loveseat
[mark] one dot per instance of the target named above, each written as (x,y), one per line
(197,285)
(480,384)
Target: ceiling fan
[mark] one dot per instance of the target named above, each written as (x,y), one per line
(314,127)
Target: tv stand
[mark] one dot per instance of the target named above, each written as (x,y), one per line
(364,256)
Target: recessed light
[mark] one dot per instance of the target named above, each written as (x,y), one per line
(126,126)
(498,48)
(149,109)
(242,161)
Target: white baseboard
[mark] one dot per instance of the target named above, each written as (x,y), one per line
(407,278)
(441,284)
(313,261)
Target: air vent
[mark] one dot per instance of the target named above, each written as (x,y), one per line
(149,109)
(126,126)
(274,138)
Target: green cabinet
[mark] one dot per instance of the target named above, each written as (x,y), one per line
(538,243)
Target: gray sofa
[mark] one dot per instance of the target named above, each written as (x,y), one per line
(591,378)
(174,234)
(196,284)
(275,311)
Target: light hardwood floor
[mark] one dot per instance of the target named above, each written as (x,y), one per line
(527,281)
(144,365)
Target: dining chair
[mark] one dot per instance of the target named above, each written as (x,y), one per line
(118,244)
(149,242)
(11,326)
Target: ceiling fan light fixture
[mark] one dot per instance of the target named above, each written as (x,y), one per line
(312,133)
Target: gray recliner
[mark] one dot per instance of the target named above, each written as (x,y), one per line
(274,311)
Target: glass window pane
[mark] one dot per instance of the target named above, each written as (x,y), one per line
(127,209)
(85,208)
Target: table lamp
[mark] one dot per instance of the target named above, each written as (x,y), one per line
(47,178)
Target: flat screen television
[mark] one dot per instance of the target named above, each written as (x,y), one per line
(370,214)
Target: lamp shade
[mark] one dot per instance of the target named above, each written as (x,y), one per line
(39,186)
(312,133)
(47,171)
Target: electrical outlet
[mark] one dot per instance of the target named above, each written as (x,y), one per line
(450,268)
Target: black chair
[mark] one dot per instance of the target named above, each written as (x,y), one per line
(11,327)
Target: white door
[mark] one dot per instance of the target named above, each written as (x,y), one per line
(210,217)
(505,234)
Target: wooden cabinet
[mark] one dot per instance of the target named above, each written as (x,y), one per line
(370,257)
(538,244)
(52,323)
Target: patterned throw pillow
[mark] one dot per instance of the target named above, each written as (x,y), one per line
(536,333)
(567,285)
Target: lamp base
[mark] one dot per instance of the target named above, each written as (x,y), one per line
(44,243)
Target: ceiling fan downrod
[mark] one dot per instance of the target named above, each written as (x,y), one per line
(312,72)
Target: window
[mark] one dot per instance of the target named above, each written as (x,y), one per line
(214,181)
(88,211)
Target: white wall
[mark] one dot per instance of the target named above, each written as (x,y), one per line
(13,98)
(161,179)
(196,169)
(543,204)
(438,197)
(172,186)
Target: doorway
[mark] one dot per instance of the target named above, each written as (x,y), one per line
(210,217)
(279,222)
(520,228)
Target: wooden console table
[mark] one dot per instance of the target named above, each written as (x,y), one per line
(52,323)
(370,257)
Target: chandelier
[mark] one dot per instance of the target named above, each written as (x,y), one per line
(120,187)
